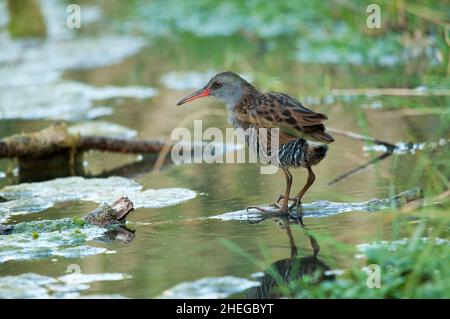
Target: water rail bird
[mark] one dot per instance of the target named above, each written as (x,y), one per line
(302,139)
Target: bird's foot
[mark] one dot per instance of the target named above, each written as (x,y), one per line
(296,201)
(281,196)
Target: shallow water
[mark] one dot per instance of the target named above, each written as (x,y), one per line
(178,247)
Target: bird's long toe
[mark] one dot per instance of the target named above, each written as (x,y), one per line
(281,196)
(276,205)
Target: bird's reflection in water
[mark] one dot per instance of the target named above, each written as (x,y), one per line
(285,271)
(121,233)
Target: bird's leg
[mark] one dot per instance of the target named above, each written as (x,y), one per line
(298,199)
(284,208)
(284,205)
(283,196)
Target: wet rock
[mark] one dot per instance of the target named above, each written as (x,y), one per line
(110,215)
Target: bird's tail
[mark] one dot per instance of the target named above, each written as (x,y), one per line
(315,153)
(321,136)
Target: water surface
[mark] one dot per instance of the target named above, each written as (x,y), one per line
(137,86)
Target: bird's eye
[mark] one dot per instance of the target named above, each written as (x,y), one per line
(217,84)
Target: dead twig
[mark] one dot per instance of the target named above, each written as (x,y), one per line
(391,147)
(359,168)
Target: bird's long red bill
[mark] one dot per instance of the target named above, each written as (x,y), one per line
(195,95)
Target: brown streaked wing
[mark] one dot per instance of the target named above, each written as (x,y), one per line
(278,110)
(293,111)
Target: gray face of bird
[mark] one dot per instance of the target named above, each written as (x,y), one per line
(226,86)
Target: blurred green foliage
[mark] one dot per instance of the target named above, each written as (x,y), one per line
(409,268)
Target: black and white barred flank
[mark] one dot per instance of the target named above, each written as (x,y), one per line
(295,153)
(300,153)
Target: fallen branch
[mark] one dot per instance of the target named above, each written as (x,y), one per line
(57,139)
(101,143)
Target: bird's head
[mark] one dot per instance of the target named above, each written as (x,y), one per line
(225,86)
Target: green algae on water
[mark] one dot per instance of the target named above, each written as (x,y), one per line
(50,238)
(78,221)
